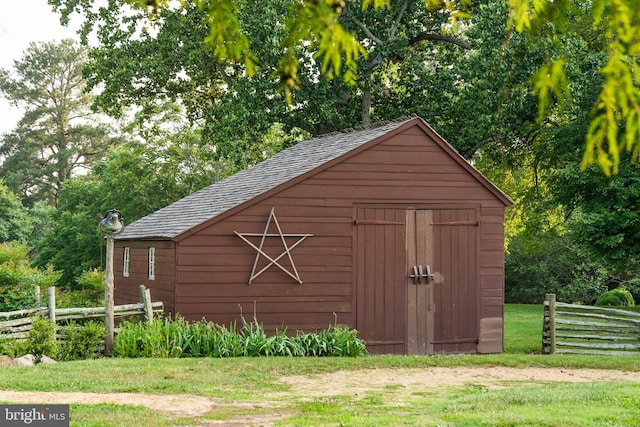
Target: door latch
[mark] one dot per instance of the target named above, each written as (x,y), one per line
(417,273)
(428,275)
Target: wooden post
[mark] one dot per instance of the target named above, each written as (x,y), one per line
(109,323)
(551,298)
(51,292)
(36,295)
(145,298)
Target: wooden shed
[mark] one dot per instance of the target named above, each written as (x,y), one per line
(386,229)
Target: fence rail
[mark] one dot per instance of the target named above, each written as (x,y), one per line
(17,324)
(570,328)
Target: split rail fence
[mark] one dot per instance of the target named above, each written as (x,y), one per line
(17,324)
(570,328)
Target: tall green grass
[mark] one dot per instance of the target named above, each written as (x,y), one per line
(165,338)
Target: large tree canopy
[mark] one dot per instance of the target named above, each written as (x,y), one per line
(615,116)
(146,63)
(58,134)
(202,112)
(316,26)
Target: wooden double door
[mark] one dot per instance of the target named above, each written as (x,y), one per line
(417,280)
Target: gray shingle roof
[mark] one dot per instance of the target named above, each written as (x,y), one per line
(211,201)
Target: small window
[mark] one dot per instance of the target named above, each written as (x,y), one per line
(125,263)
(152,263)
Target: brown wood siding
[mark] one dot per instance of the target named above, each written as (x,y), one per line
(162,288)
(492,279)
(408,170)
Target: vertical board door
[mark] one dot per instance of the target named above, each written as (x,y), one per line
(416,280)
(442,302)
(420,281)
(380,279)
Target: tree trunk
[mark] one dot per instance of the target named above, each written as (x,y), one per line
(366,100)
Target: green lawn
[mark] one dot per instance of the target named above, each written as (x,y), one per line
(523,328)
(251,388)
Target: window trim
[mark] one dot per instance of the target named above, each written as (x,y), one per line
(152,263)
(126,258)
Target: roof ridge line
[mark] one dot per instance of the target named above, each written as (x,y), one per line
(369,126)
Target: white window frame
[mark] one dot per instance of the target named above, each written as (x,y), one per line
(152,263)
(126,256)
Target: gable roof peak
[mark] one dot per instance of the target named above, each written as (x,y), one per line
(209,202)
(195,209)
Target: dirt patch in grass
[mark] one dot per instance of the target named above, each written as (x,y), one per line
(337,383)
(355,382)
(179,405)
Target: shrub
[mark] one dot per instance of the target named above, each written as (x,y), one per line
(89,294)
(92,282)
(18,279)
(81,341)
(13,251)
(40,340)
(8,347)
(78,341)
(619,297)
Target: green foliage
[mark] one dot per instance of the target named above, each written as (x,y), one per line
(78,341)
(8,347)
(551,263)
(17,290)
(90,292)
(18,279)
(40,340)
(81,341)
(619,297)
(13,251)
(332,37)
(58,135)
(79,298)
(15,223)
(92,280)
(603,219)
(226,39)
(71,242)
(317,22)
(165,337)
(333,341)
(615,121)
(141,177)
(410,40)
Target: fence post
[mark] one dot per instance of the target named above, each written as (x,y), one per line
(145,298)
(109,323)
(36,295)
(51,292)
(551,299)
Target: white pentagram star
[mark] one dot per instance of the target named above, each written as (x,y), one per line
(273,261)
